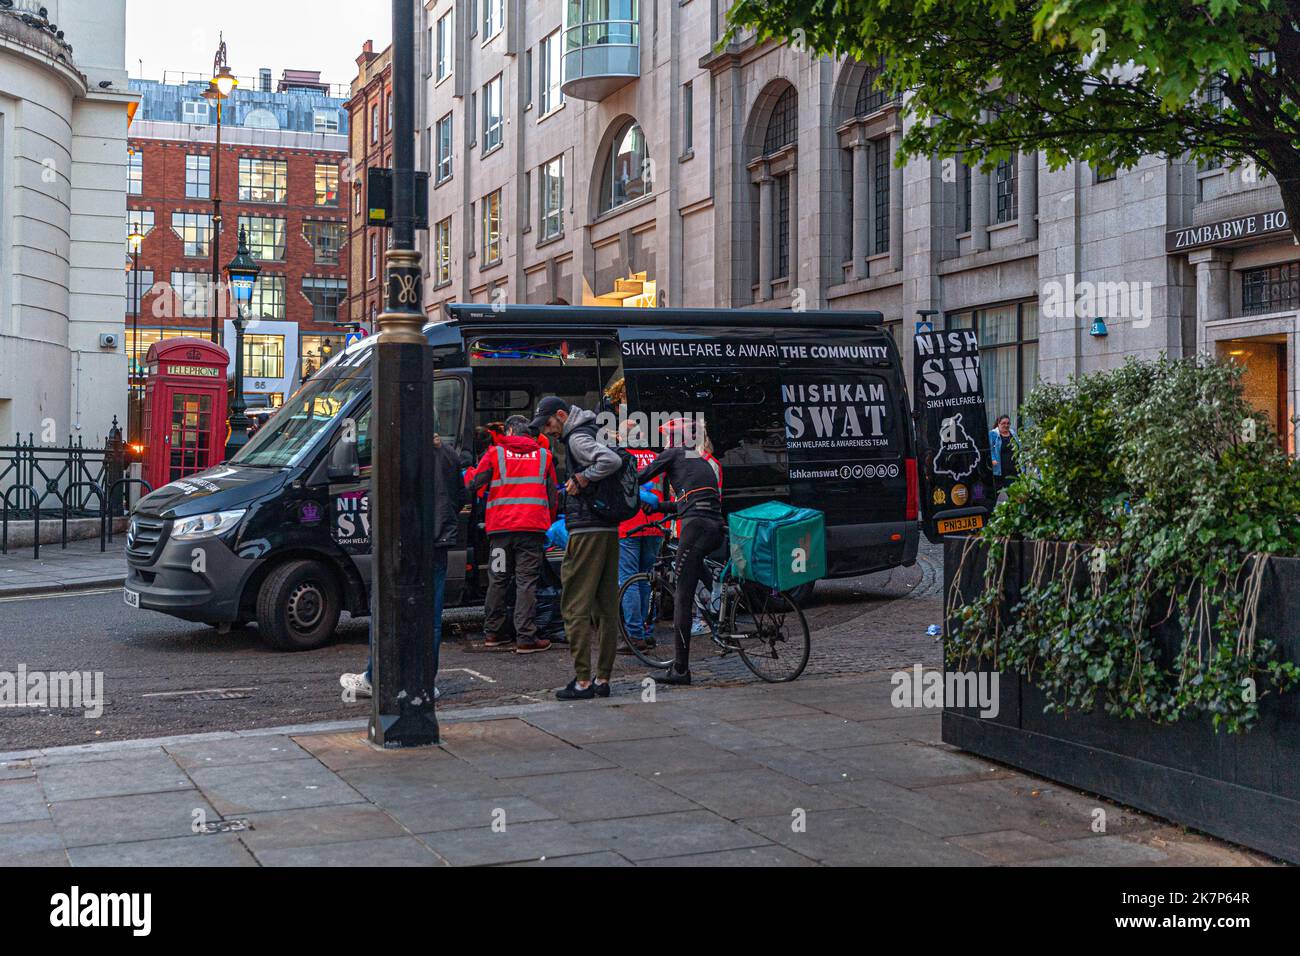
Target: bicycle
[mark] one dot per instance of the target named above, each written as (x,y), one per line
(764,626)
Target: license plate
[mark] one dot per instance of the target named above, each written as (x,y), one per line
(972,523)
(132,598)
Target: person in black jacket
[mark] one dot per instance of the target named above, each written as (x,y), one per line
(449,498)
(698,506)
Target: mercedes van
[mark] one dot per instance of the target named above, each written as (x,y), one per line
(809,408)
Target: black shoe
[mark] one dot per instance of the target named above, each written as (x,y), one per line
(572,692)
(674,676)
(602,690)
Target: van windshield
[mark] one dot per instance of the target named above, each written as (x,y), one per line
(286,439)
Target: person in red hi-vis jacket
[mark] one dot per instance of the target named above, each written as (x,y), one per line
(638,545)
(522,501)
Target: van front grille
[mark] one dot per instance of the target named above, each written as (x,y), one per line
(144,536)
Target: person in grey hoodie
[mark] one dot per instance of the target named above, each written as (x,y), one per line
(589,576)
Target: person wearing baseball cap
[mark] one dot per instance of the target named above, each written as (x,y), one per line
(589,575)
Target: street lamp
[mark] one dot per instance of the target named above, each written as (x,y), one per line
(403,475)
(133,242)
(220,87)
(241,273)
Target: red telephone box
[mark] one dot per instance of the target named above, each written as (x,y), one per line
(184,409)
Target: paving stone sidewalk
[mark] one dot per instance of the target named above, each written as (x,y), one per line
(81,566)
(819,772)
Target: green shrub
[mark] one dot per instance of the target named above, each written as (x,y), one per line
(1156,495)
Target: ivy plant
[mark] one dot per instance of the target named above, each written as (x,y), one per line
(1153,497)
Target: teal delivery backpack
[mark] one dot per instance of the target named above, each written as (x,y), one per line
(778,545)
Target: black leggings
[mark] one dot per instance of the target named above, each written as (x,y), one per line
(700,537)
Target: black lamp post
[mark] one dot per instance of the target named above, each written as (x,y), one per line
(242,274)
(135,391)
(402,480)
(220,87)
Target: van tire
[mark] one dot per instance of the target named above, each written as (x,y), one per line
(802,595)
(298,606)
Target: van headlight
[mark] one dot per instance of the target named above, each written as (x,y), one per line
(206,526)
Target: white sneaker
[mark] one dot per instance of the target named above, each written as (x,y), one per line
(356,685)
(700,629)
(436,693)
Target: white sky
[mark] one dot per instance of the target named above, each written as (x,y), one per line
(326,35)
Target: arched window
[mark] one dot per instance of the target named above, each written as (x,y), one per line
(624,178)
(783,125)
(870,98)
(261,119)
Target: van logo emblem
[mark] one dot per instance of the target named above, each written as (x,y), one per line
(309,513)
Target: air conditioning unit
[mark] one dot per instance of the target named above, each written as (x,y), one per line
(109,340)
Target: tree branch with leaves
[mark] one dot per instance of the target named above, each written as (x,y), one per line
(1103,81)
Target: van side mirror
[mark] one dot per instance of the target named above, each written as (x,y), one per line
(344,464)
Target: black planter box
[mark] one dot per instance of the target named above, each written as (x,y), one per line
(1240,787)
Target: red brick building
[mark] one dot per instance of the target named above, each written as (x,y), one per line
(370,120)
(284,186)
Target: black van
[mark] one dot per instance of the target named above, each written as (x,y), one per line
(809,408)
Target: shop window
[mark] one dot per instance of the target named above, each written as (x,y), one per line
(1008,337)
(263,356)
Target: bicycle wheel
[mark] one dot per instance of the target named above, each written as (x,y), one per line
(769,631)
(657,651)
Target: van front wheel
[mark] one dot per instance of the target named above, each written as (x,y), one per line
(298,606)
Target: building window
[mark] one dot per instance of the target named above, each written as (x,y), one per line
(327,184)
(549,74)
(326,238)
(266,236)
(442,252)
(356,199)
(389,117)
(881,189)
(964,185)
(325,121)
(191,291)
(494,15)
(268,300)
(1274,289)
(781,228)
(444,46)
(783,124)
(198,177)
(144,277)
(263,180)
(374,123)
(1008,337)
(552,206)
(263,355)
(625,171)
(195,111)
(134,172)
(194,231)
(493,117)
(374,256)
(326,296)
(138,220)
(688,117)
(492,228)
(444,134)
(1006,184)
(869,98)
(314,351)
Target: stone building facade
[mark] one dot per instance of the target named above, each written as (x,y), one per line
(370,144)
(64,114)
(615,153)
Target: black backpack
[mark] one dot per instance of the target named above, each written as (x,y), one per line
(616,497)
